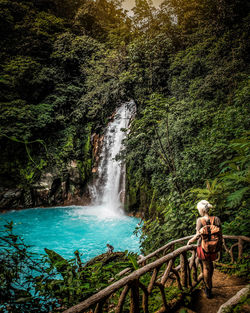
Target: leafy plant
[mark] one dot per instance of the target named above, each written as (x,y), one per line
(18,270)
(32,282)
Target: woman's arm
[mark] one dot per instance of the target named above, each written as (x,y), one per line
(193,239)
(198,227)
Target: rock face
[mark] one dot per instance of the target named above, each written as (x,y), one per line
(97,142)
(56,187)
(10,198)
(64,186)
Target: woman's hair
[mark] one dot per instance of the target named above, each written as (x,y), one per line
(203,207)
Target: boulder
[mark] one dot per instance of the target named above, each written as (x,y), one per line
(106,258)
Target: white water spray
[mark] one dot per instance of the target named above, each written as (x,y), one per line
(108,190)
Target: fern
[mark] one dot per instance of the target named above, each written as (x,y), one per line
(236,197)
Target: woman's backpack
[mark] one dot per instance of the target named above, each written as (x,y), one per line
(211,236)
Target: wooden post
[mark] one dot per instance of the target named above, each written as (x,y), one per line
(231,251)
(197,262)
(178,278)
(122,299)
(189,278)
(225,246)
(167,271)
(152,280)
(144,297)
(99,306)
(194,273)
(134,296)
(192,259)
(183,263)
(240,248)
(164,301)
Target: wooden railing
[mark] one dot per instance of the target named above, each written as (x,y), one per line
(164,266)
(240,242)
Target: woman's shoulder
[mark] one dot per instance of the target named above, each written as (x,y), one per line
(217,220)
(198,219)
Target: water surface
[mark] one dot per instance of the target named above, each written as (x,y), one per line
(66,229)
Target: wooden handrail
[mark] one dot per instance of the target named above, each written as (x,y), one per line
(245,238)
(169,244)
(126,280)
(187,277)
(165,247)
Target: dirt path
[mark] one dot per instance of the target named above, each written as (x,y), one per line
(225,287)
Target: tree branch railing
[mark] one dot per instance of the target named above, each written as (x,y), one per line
(143,260)
(239,244)
(174,267)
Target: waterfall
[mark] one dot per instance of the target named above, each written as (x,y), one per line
(108,189)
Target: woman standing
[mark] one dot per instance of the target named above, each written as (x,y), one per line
(208,233)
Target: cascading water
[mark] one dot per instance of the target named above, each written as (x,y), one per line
(108,190)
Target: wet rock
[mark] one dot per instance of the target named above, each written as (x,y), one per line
(10,194)
(64,189)
(97,142)
(45,182)
(106,258)
(55,187)
(60,187)
(73,171)
(27,199)
(110,118)
(41,191)
(10,198)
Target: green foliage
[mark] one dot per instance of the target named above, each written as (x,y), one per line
(133,259)
(65,67)
(172,294)
(31,282)
(103,20)
(17,281)
(173,218)
(47,25)
(191,83)
(229,191)
(240,268)
(55,81)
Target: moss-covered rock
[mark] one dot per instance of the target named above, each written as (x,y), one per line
(107,258)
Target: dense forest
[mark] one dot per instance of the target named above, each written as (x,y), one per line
(66,65)
(62,75)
